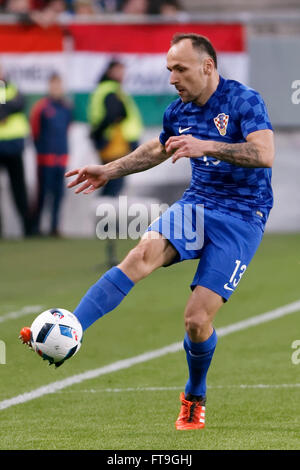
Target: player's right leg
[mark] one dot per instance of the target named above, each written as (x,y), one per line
(151,252)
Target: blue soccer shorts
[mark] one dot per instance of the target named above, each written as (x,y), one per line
(224,244)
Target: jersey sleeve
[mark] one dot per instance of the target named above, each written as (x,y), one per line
(167,126)
(253,113)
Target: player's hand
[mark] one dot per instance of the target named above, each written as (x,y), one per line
(185,146)
(92,177)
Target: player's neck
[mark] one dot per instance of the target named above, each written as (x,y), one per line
(208,91)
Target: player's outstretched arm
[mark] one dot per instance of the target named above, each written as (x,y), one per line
(257,151)
(92,177)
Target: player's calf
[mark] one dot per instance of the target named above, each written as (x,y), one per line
(200,312)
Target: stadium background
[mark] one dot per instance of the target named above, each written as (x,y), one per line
(257,47)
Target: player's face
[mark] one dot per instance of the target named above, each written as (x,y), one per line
(188,71)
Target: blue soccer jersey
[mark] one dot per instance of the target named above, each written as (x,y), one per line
(231,113)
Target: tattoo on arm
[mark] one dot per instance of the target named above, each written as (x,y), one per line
(146,156)
(244,154)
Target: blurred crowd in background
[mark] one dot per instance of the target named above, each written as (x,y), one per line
(47,12)
(47,120)
(115,129)
(50,117)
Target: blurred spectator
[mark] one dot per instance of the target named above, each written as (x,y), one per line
(57,6)
(18,6)
(41,12)
(39,4)
(115,121)
(13,131)
(84,7)
(169,8)
(116,128)
(110,6)
(135,7)
(50,119)
(45,12)
(53,11)
(164,7)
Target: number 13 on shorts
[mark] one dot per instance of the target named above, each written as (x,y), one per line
(236,275)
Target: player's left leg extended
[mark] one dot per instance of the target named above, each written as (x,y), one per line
(152,252)
(199,343)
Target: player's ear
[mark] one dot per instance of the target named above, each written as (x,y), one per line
(208,65)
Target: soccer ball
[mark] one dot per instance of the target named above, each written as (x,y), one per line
(56,335)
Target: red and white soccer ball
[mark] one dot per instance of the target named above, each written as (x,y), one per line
(56,335)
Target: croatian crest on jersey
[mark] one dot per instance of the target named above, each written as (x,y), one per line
(221,122)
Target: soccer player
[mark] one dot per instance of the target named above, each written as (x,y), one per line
(224,128)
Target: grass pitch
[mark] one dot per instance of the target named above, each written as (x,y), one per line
(253,384)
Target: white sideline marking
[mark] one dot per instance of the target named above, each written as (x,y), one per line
(167,389)
(126,363)
(20,313)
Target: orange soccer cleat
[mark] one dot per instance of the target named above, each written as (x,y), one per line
(25,335)
(192,414)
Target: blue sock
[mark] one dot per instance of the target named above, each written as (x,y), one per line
(199,356)
(102,297)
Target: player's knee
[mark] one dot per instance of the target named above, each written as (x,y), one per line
(197,324)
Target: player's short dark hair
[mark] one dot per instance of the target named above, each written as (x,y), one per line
(201,43)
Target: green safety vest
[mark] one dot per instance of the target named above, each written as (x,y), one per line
(16,125)
(131,126)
